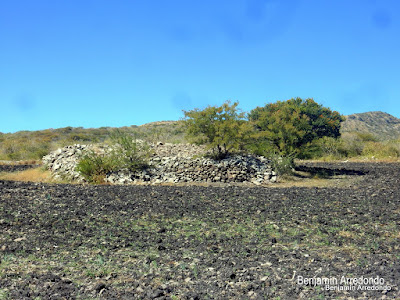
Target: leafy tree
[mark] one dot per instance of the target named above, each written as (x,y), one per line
(290,126)
(222,129)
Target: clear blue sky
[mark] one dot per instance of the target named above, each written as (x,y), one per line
(96,63)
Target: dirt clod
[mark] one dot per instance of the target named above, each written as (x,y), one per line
(61,241)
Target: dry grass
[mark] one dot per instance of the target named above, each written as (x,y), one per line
(31,175)
(354,159)
(347,234)
(20,162)
(306,179)
(286,183)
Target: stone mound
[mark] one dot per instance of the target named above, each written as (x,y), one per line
(170,163)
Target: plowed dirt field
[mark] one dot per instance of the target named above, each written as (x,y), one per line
(65,241)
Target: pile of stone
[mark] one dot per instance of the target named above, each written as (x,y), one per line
(63,161)
(170,163)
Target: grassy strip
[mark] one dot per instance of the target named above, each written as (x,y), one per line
(31,175)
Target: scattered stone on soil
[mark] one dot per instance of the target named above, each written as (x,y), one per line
(63,241)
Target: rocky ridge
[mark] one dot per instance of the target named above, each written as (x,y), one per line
(170,163)
(380,124)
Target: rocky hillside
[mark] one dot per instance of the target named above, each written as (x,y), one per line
(382,125)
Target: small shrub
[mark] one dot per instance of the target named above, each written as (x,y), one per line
(352,144)
(37,151)
(94,167)
(282,165)
(125,152)
(10,150)
(367,137)
(128,152)
(395,144)
(4,294)
(380,150)
(260,146)
(334,148)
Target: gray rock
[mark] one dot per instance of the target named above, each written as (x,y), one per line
(170,163)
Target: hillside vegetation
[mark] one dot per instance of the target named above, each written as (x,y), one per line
(370,135)
(26,145)
(379,124)
(366,135)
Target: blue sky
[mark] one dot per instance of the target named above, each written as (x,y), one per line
(96,63)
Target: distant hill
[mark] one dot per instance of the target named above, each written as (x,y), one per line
(158,123)
(34,144)
(24,145)
(382,125)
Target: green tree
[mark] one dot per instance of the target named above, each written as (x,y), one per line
(222,129)
(288,127)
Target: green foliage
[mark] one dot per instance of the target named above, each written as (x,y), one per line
(356,144)
(282,165)
(334,148)
(291,126)
(260,146)
(126,153)
(22,148)
(24,145)
(353,145)
(380,125)
(94,166)
(222,129)
(299,128)
(380,150)
(4,294)
(166,132)
(367,137)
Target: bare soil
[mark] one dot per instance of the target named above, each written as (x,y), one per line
(63,241)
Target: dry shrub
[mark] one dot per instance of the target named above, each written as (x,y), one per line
(380,150)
